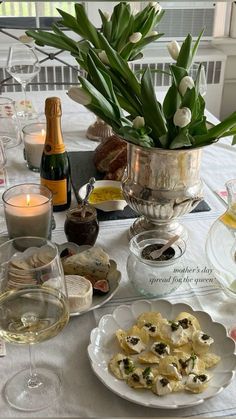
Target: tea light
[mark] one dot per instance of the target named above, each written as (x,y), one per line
(34,139)
(28,211)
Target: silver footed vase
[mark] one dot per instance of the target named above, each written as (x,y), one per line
(162,185)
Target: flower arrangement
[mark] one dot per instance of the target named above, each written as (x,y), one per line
(126,32)
(114,92)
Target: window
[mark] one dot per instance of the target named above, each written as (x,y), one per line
(180,16)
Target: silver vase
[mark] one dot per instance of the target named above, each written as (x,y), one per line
(161,185)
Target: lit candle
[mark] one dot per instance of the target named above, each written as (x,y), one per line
(28,214)
(34,139)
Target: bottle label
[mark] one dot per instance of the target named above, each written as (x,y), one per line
(58,189)
(52,148)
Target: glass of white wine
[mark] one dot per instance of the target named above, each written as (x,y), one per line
(23,65)
(33,308)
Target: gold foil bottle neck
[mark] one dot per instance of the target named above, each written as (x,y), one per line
(53,107)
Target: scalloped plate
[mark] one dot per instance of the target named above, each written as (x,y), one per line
(103,346)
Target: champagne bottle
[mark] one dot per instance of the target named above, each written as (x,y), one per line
(55,169)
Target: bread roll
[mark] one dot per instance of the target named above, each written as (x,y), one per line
(111,157)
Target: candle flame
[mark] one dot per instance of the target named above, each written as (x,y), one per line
(43,132)
(27,200)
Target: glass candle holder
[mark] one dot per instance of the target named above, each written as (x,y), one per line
(154,278)
(34,139)
(28,210)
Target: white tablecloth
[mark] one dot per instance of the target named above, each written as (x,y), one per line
(83,394)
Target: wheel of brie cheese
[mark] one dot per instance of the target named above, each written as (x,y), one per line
(80,293)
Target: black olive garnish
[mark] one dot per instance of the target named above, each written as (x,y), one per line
(135,377)
(133,340)
(164,382)
(205,337)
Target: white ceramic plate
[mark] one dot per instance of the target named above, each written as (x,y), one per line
(114,277)
(106,206)
(103,346)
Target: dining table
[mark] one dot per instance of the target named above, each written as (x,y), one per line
(83,394)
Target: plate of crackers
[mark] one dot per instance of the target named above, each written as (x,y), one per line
(162,355)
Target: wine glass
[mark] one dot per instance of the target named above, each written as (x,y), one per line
(202,77)
(33,308)
(10,131)
(23,66)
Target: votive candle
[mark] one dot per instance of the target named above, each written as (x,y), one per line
(28,211)
(34,139)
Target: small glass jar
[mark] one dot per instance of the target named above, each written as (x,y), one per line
(158,277)
(81,225)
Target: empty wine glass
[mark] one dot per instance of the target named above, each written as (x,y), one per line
(33,308)
(23,66)
(10,131)
(3,157)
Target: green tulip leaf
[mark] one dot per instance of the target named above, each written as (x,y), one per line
(87,29)
(152,111)
(171,101)
(184,57)
(134,136)
(183,139)
(178,73)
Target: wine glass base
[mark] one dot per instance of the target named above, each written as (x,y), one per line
(34,396)
(9,142)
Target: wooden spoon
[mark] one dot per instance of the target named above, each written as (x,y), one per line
(157,253)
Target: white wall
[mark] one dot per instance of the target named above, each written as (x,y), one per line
(228,103)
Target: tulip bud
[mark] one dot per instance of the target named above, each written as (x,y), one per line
(151,33)
(138,122)
(103,57)
(135,37)
(79,95)
(156,5)
(182,117)
(186,83)
(107,16)
(174,49)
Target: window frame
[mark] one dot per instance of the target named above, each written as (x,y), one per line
(221,23)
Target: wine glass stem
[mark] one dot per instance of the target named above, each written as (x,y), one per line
(33,380)
(25,99)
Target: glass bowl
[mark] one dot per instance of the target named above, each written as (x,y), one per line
(155,278)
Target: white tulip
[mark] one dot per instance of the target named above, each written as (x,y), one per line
(107,16)
(135,37)
(138,122)
(174,49)
(79,95)
(151,33)
(103,57)
(156,5)
(182,117)
(186,83)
